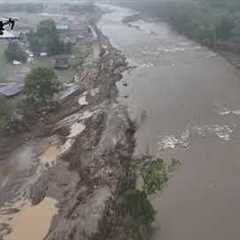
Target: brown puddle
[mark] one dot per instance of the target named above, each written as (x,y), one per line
(31,222)
(50,155)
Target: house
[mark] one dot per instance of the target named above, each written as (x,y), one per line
(15,62)
(43,54)
(11,89)
(62,62)
(62,28)
(10,35)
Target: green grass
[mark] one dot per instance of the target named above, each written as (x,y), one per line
(63,75)
(3,62)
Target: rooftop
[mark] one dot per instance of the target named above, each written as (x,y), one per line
(62,27)
(9,35)
(11,89)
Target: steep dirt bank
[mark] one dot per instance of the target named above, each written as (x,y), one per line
(79,157)
(100,154)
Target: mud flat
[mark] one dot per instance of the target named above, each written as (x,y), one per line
(31,221)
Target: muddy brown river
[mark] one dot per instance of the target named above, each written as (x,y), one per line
(186,100)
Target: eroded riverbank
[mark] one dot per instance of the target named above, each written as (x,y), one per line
(185,100)
(69,174)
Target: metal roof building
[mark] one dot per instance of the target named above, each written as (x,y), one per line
(9,35)
(62,27)
(11,89)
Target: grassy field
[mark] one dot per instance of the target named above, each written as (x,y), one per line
(3,62)
(63,75)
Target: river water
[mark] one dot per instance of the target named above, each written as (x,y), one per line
(186,100)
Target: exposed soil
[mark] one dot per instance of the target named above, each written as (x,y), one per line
(73,160)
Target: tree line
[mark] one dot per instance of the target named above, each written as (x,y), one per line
(21,7)
(207,21)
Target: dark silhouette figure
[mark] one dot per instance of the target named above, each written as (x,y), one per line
(10,22)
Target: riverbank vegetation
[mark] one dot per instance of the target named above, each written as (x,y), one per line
(215,23)
(151,177)
(208,21)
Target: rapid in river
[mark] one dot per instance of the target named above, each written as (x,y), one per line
(187,101)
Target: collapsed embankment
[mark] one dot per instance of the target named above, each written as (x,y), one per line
(90,142)
(99,142)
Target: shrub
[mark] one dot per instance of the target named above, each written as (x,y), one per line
(6,110)
(139,207)
(15,52)
(155,176)
(40,86)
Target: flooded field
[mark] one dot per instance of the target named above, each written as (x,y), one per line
(186,101)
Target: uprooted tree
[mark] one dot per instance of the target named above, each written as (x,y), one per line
(41,84)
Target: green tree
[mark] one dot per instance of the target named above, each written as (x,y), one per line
(138,206)
(46,39)
(6,110)
(15,52)
(154,174)
(40,86)
(208,21)
(34,42)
